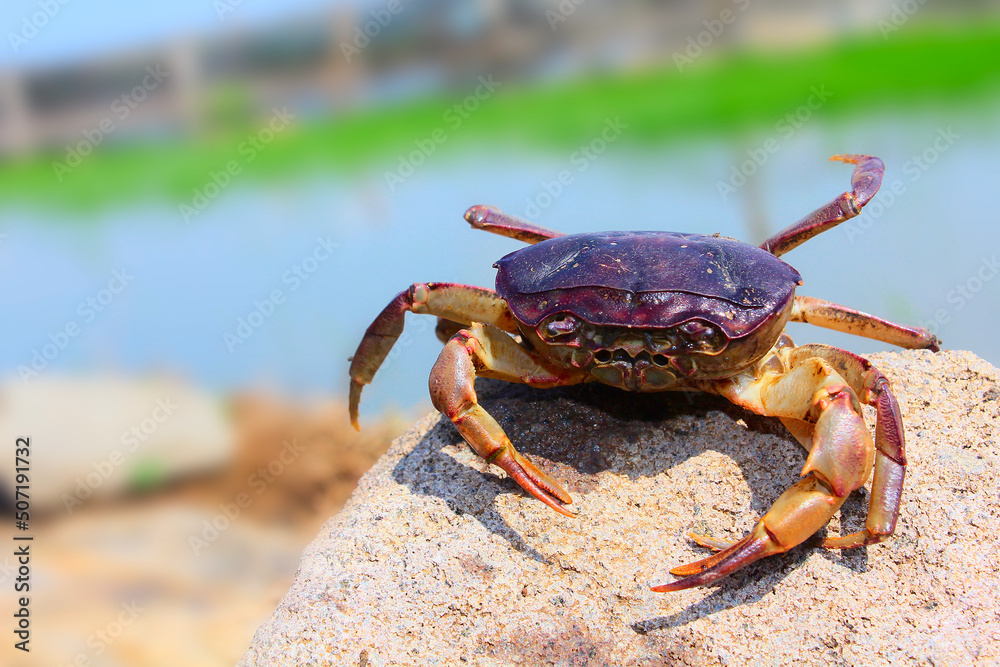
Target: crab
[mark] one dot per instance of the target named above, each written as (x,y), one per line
(663,311)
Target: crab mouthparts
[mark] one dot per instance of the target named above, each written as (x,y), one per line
(641,371)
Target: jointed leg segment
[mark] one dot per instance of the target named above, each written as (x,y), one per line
(484,350)
(864,184)
(840,460)
(491,219)
(873,388)
(841,318)
(460,303)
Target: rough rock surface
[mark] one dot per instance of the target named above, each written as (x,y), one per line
(436,560)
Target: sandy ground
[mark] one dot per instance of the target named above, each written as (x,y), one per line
(183,575)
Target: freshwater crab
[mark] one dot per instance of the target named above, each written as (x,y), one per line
(655,311)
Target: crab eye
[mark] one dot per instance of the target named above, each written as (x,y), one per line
(560,325)
(701,335)
(694,330)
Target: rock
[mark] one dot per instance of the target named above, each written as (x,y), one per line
(436,560)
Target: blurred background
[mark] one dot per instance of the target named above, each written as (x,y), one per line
(203,205)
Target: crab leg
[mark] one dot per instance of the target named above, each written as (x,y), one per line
(840,461)
(486,351)
(864,184)
(841,318)
(461,303)
(491,219)
(873,388)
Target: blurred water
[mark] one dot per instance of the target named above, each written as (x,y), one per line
(188,284)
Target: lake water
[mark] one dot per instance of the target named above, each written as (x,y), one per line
(318,256)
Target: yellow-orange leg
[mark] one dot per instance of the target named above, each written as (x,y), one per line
(487,351)
(840,460)
(872,388)
(841,318)
(459,303)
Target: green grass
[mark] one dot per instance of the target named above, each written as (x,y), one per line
(719,94)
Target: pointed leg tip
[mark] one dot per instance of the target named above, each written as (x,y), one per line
(678,585)
(542,479)
(710,542)
(548,500)
(849,158)
(551,503)
(353,401)
(476,215)
(751,548)
(567,512)
(563,497)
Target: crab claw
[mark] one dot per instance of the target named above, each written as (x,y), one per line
(797,514)
(534,480)
(840,461)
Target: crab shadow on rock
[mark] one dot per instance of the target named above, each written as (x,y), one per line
(579,431)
